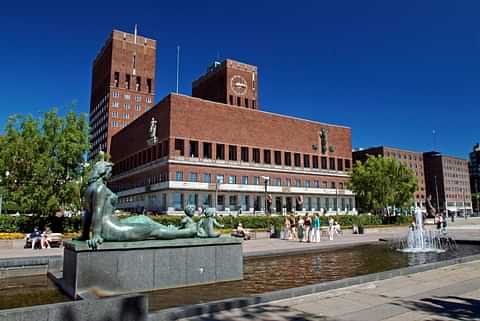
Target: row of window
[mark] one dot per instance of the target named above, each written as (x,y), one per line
(128,79)
(256,180)
(245,102)
(248,154)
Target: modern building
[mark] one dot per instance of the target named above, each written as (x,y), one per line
(413,160)
(123,86)
(448,182)
(218,149)
(474,168)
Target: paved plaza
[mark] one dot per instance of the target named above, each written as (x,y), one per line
(450,293)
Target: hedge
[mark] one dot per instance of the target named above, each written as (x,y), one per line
(25,224)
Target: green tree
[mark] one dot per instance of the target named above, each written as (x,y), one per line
(45,159)
(382,182)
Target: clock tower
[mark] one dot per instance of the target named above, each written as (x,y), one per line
(230,82)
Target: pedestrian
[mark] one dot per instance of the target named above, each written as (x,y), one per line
(331,228)
(307,226)
(300,228)
(287,234)
(293,227)
(36,236)
(316,228)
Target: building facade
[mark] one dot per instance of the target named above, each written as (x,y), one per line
(474,169)
(448,182)
(188,150)
(412,160)
(123,86)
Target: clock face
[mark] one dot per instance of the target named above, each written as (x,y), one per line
(238,85)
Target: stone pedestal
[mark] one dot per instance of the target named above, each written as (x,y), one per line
(125,267)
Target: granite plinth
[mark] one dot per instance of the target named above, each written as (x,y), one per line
(126,267)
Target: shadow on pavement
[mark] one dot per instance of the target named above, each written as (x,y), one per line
(451,307)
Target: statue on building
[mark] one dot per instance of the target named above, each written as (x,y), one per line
(152,132)
(324,139)
(431,211)
(105,226)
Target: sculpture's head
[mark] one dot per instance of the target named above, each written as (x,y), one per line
(209,212)
(101,170)
(189,210)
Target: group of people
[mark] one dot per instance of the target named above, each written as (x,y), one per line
(441,222)
(41,237)
(307,228)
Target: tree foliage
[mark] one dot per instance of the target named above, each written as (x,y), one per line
(382,182)
(44,158)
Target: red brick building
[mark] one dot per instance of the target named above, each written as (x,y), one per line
(413,160)
(448,182)
(123,86)
(208,152)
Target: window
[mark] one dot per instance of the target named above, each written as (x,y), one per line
(253,104)
(244,154)
(149,100)
(339,164)
(347,164)
(288,182)
(246,102)
(115,104)
(316,184)
(138,82)
(256,180)
(256,155)
(179,176)
(219,179)
(232,152)
(332,163)
(193,148)
(306,183)
(127,106)
(233,201)
(116,94)
(288,159)
(245,180)
(296,157)
(179,145)
(127,82)
(114,124)
(267,156)
(298,183)
(138,107)
(116,79)
(239,101)
(315,161)
(126,116)
(232,179)
(278,157)
(333,185)
(149,86)
(138,98)
(324,162)
(278,181)
(193,177)
(207,150)
(207,178)
(220,151)
(114,114)
(306,161)
(231,100)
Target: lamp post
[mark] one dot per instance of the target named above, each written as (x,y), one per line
(266,179)
(7,173)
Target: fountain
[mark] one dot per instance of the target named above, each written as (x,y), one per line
(420,240)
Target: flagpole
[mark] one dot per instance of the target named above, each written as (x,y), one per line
(178,65)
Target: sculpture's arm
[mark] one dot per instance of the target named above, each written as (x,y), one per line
(217,224)
(99,199)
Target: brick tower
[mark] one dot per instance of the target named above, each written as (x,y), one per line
(230,82)
(123,86)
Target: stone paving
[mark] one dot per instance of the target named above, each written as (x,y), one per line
(450,293)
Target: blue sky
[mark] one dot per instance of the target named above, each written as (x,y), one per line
(393,71)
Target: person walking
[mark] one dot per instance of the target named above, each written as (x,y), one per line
(308,224)
(301,228)
(331,228)
(316,228)
(293,228)
(287,229)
